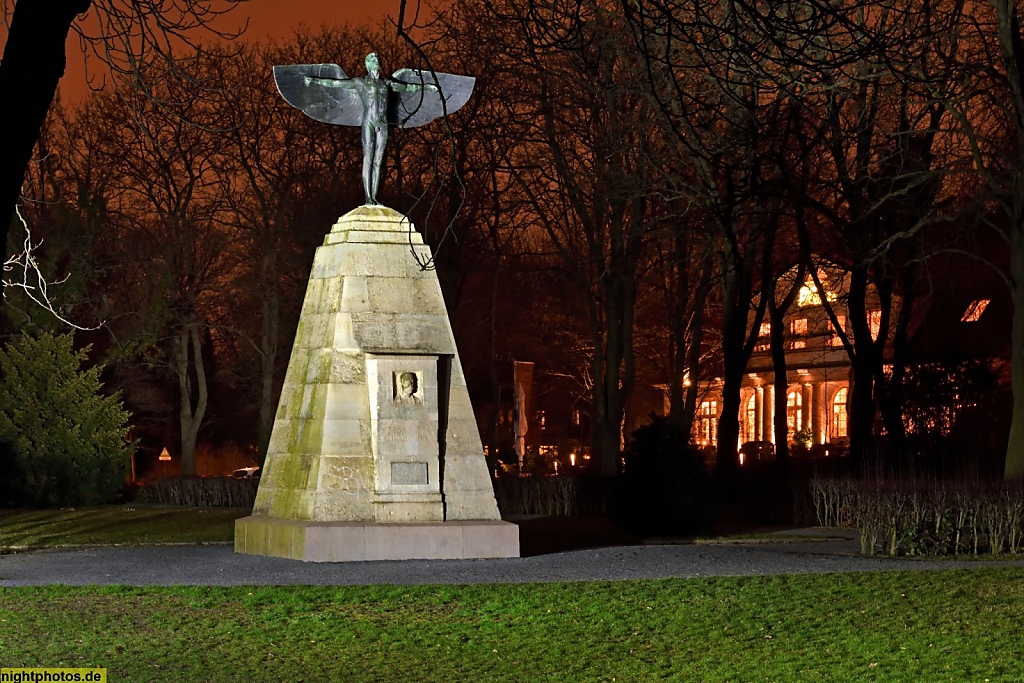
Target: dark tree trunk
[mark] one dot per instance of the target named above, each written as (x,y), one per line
(890,396)
(862,372)
(781,425)
(33,64)
(737,345)
(270,332)
(492,369)
(689,407)
(190,416)
(727,461)
(1012,48)
(678,296)
(614,374)
(735,306)
(777,338)
(1014,467)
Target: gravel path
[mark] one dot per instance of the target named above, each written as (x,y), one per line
(218,565)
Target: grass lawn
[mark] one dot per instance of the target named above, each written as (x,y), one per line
(955,625)
(117,524)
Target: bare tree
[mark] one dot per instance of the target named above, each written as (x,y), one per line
(731,77)
(879,190)
(124,33)
(176,252)
(582,164)
(711,71)
(988,108)
(270,158)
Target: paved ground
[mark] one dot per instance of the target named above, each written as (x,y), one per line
(219,566)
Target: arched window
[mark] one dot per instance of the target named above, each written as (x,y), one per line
(750,424)
(794,399)
(839,414)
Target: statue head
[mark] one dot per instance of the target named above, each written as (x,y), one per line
(373,64)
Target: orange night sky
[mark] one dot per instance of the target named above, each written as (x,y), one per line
(278,18)
(273,18)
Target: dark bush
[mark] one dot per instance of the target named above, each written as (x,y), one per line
(200,492)
(63,441)
(549,496)
(664,489)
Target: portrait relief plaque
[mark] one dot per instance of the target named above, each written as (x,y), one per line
(406,385)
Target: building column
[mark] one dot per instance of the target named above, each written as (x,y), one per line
(806,408)
(759,414)
(817,394)
(768,410)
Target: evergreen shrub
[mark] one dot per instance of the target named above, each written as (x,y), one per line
(62,442)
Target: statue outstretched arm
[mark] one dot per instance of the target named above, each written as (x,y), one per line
(323,91)
(399,86)
(348,83)
(422,96)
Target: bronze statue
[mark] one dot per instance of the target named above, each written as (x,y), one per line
(409,98)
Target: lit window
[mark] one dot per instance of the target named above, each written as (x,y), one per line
(834,340)
(798,326)
(763,333)
(875,323)
(798,344)
(839,414)
(808,295)
(794,399)
(707,423)
(975,310)
(750,425)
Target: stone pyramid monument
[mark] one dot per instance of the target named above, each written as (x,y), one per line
(375,452)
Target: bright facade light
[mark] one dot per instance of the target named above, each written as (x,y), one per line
(974,310)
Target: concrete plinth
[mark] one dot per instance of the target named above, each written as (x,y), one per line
(362,541)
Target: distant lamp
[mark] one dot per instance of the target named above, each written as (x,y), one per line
(164,455)
(974,310)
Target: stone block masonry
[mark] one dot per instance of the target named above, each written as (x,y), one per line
(374,445)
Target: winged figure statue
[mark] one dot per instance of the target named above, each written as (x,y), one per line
(409,98)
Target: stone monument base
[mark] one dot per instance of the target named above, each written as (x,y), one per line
(361,541)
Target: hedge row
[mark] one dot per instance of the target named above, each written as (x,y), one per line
(200,492)
(551,496)
(924,518)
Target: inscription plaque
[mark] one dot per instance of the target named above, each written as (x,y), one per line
(409,474)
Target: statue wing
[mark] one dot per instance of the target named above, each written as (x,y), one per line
(317,99)
(419,105)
